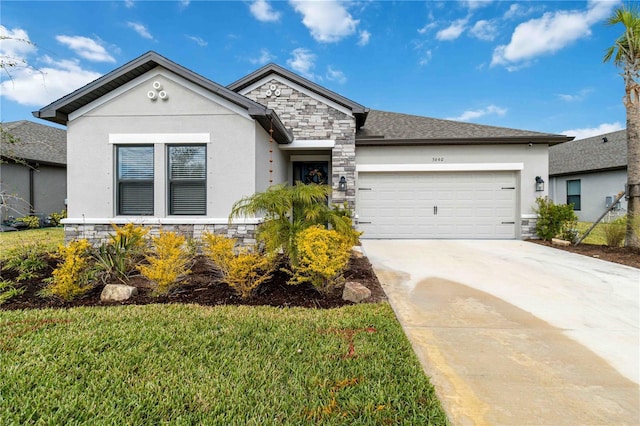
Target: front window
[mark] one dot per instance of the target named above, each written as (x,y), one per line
(187,179)
(573,193)
(135,180)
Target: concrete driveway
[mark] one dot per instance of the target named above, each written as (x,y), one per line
(514,333)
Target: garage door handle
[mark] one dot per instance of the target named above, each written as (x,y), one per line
(508,187)
(508,223)
(364,189)
(361,222)
(435,210)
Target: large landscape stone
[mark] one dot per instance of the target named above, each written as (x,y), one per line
(117,292)
(355,292)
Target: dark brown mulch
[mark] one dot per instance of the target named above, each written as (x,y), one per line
(623,255)
(203,287)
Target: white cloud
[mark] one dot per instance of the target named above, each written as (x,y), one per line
(265,56)
(129,4)
(427,27)
(588,132)
(453,31)
(15,43)
(517,11)
(39,87)
(365,36)
(86,47)
(303,62)
(577,97)
(262,11)
(550,33)
(198,40)
(426,58)
(185,3)
(328,21)
(141,29)
(477,4)
(484,30)
(477,113)
(336,75)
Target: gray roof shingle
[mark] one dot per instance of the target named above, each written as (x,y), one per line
(384,127)
(590,154)
(34,142)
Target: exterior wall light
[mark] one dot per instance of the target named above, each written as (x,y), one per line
(342,185)
(539,184)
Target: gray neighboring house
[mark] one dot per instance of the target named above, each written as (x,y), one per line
(589,173)
(155,143)
(33,172)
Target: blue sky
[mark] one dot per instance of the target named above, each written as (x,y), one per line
(534,65)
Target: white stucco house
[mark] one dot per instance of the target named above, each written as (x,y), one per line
(153,142)
(589,173)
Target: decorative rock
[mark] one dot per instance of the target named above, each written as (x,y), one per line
(117,292)
(355,292)
(357,252)
(559,242)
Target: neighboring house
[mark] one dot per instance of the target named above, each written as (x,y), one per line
(155,143)
(33,176)
(589,173)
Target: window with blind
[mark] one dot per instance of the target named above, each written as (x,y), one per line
(573,193)
(187,179)
(134,180)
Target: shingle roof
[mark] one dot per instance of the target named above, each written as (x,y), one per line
(388,128)
(590,154)
(34,142)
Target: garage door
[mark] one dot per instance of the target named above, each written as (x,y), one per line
(437,205)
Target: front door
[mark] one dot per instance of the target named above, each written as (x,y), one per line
(309,172)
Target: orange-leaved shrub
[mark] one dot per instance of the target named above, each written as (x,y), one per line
(168,262)
(323,255)
(72,277)
(242,269)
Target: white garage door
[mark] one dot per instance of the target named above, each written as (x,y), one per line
(437,204)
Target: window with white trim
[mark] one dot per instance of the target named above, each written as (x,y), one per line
(187,182)
(134,165)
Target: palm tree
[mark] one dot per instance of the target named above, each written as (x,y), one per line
(626,55)
(287,210)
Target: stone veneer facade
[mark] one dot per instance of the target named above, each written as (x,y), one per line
(311,119)
(97,234)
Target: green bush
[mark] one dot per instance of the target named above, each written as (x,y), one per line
(614,231)
(555,220)
(27,260)
(8,290)
(32,222)
(118,257)
(57,217)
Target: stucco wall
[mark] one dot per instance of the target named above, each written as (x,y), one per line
(594,188)
(277,161)
(49,189)
(312,119)
(14,184)
(231,151)
(533,161)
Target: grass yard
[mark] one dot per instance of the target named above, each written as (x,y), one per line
(48,237)
(596,236)
(227,365)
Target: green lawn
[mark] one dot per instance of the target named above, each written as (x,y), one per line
(596,236)
(186,364)
(48,237)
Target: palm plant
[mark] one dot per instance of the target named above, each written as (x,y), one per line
(626,55)
(287,210)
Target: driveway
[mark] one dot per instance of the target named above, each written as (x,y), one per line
(514,333)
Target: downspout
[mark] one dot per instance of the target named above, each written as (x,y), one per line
(32,169)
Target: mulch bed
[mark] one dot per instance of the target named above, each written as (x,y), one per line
(203,287)
(622,255)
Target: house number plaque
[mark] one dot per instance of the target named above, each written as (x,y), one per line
(437,159)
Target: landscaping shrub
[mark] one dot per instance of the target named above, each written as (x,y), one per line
(56,218)
(168,262)
(243,271)
(555,220)
(614,232)
(72,277)
(32,222)
(8,290)
(27,260)
(118,257)
(323,257)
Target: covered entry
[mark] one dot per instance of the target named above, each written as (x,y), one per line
(466,204)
